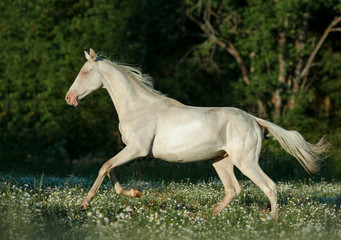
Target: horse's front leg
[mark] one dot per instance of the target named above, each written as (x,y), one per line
(124,156)
(120,190)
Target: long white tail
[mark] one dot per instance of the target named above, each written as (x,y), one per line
(308,155)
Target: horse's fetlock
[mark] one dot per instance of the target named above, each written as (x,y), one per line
(118,189)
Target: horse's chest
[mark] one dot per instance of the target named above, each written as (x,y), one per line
(137,131)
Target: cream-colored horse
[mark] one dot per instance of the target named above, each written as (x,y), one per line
(157,126)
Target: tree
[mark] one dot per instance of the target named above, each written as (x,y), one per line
(273,43)
(42,51)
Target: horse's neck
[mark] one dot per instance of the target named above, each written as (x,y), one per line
(125,92)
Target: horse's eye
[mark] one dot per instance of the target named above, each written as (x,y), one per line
(84,73)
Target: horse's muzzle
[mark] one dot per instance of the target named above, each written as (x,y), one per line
(71,99)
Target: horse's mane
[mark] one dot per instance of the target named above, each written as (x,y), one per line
(134,73)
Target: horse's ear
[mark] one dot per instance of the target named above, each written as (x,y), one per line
(87,56)
(92,54)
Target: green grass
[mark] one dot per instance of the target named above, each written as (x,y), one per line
(47,207)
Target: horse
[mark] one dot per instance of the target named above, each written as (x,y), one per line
(154,125)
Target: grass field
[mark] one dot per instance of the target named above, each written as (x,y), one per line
(48,208)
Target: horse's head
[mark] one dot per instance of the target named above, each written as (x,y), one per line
(88,79)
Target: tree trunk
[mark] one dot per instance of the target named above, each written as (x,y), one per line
(281,76)
(327,107)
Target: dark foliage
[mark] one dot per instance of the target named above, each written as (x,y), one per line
(42,52)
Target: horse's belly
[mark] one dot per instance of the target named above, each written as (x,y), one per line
(188,142)
(174,155)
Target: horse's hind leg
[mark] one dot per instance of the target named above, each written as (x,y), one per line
(224,168)
(256,174)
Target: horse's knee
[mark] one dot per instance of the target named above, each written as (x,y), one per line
(105,170)
(233,192)
(273,187)
(271,194)
(274,190)
(237,190)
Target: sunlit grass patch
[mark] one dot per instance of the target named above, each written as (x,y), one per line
(49,208)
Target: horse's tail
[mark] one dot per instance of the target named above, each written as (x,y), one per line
(308,155)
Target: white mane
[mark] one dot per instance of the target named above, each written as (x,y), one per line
(135,74)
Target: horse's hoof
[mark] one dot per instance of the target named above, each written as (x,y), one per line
(137,193)
(274,214)
(217,209)
(215,212)
(84,207)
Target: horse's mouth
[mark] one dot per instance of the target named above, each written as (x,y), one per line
(75,102)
